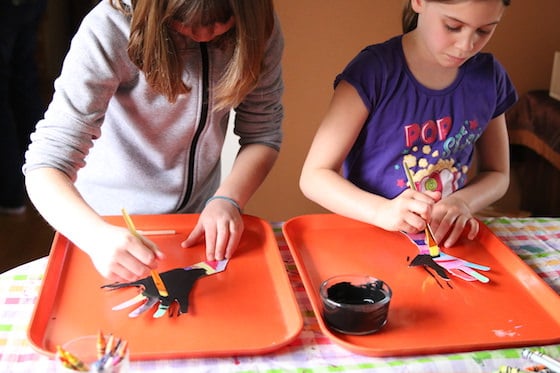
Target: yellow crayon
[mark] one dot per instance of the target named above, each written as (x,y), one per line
(77,364)
(71,361)
(101,344)
(60,356)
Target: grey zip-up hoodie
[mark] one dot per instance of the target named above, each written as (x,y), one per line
(141,151)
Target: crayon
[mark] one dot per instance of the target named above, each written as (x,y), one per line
(116,346)
(101,344)
(110,344)
(63,360)
(538,368)
(77,364)
(115,352)
(120,354)
(71,361)
(99,365)
(540,358)
(508,369)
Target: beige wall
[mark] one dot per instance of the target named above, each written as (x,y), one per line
(323,35)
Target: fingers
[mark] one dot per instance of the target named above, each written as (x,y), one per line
(420,204)
(474,228)
(235,237)
(159,255)
(221,238)
(452,218)
(130,269)
(124,269)
(413,223)
(196,235)
(450,229)
(414,209)
(146,257)
(435,196)
(222,241)
(129,259)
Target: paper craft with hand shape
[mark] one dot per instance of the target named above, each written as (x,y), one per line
(444,262)
(462,268)
(424,258)
(178,281)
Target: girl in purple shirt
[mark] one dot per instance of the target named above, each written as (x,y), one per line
(429,98)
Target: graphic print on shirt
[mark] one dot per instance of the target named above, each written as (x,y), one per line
(429,151)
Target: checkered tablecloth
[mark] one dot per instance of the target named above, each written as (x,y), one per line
(536,241)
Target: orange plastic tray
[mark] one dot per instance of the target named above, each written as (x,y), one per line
(427,316)
(250,308)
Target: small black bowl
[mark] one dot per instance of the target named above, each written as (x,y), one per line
(355,304)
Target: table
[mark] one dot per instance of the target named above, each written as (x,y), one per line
(535,240)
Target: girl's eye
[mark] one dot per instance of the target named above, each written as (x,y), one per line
(483,32)
(453,28)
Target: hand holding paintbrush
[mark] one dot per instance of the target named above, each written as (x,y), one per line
(155,275)
(430,240)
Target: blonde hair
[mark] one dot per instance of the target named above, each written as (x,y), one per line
(152,48)
(410,17)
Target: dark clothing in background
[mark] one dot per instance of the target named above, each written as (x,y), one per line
(21,106)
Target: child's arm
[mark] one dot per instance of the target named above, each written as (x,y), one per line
(114,251)
(454,213)
(322,182)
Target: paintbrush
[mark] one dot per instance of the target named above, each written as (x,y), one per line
(430,240)
(155,275)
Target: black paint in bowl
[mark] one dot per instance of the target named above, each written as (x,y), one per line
(355,304)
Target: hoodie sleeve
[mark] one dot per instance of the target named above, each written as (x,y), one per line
(259,116)
(95,66)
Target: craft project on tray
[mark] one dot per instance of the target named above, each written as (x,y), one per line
(444,263)
(178,282)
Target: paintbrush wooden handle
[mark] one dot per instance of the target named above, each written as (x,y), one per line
(430,240)
(155,275)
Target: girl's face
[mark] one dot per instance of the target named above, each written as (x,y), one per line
(203,33)
(454,31)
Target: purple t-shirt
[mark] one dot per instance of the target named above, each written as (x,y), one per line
(434,131)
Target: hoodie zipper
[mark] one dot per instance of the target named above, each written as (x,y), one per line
(201,124)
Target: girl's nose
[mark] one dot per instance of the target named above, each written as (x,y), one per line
(466,42)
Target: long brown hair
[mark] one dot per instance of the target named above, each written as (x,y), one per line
(152,47)
(410,17)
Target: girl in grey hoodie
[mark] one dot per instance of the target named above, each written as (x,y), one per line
(138,120)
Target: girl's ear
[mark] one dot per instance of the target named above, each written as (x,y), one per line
(417,5)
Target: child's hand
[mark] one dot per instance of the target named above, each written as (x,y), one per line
(120,256)
(407,212)
(450,217)
(221,226)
